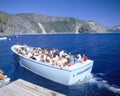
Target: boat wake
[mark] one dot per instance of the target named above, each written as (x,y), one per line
(100,83)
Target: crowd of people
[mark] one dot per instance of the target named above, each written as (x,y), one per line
(53,56)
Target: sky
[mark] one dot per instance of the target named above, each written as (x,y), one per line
(105,12)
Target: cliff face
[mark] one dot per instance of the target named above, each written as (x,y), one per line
(30,23)
(113,29)
(97,28)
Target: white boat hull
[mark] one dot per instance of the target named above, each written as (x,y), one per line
(65,76)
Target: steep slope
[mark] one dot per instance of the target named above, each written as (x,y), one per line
(97,28)
(113,29)
(31,23)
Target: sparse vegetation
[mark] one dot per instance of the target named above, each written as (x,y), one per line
(27,23)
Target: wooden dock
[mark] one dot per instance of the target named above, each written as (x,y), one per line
(24,88)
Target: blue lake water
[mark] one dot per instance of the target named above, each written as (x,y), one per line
(104,49)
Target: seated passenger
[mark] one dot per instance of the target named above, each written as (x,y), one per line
(55,52)
(61,53)
(1,72)
(85,58)
(60,64)
(79,57)
(72,58)
(48,59)
(33,57)
(20,52)
(2,76)
(53,62)
(69,63)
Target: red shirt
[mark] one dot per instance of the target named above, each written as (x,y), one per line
(85,58)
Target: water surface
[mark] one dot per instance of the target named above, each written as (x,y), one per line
(104,49)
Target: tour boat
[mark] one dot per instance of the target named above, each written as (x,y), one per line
(67,75)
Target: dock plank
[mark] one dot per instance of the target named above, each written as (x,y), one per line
(24,88)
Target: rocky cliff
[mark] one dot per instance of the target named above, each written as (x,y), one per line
(113,29)
(31,23)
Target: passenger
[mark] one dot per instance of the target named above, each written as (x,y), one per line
(37,57)
(33,57)
(55,52)
(1,72)
(64,61)
(25,48)
(60,62)
(47,53)
(17,50)
(85,58)
(20,52)
(76,60)
(51,53)
(39,51)
(61,53)
(79,57)
(48,59)
(69,63)
(53,62)
(44,58)
(34,51)
(41,58)
(2,76)
(72,58)
(29,54)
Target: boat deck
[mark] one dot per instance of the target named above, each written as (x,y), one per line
(24,88)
